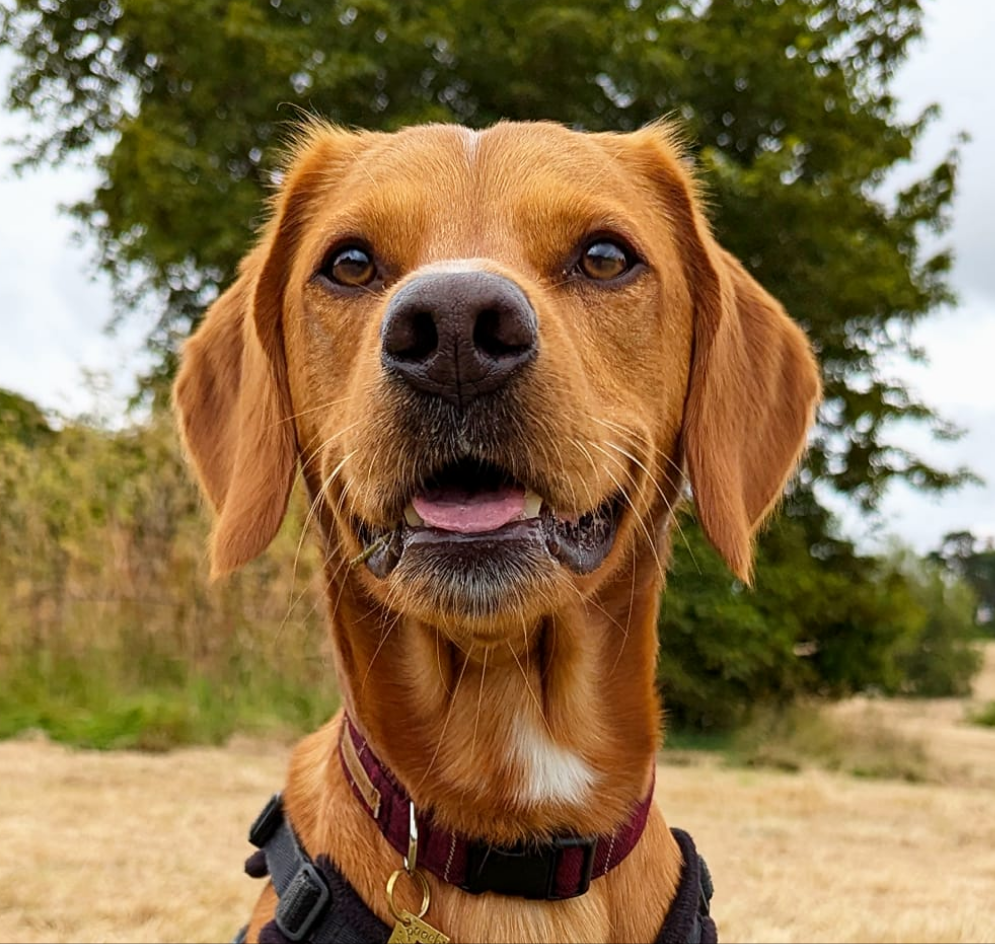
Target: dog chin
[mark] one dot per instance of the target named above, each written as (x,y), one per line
(481,595)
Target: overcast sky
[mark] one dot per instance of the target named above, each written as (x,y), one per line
(53,313)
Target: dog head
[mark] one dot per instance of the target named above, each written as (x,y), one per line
(496,356)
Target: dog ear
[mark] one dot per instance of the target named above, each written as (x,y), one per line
(751,399)
(232,395)
(753,385)
(233,404)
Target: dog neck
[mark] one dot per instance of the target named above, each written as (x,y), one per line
(555,734)
(550,871)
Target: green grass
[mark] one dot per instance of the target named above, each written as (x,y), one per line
(106,700)
(985,715)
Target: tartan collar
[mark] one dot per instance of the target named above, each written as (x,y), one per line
(560,868)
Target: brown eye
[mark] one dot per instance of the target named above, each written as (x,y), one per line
(604,260)
(352,267)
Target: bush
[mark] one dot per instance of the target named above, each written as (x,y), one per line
(110,634)
(942,658)
(821,620)
(804,736)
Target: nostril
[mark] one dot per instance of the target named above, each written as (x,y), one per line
(498,333)
(413,336)
(424,336)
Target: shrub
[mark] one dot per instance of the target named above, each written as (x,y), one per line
(110,634)
(821,620)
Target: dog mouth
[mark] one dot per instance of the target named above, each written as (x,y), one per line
(472,513)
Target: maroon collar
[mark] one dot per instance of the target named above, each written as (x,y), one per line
(561,868)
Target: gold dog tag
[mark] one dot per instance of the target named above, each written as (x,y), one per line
(410,929)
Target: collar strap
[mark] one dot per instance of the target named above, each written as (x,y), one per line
(561,868)
(316,903)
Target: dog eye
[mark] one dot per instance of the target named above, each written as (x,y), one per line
(604,260)
(352,267)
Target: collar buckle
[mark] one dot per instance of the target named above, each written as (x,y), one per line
(531,871)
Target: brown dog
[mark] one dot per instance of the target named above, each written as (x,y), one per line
(494,356)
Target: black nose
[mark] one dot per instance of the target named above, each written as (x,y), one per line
(458,335)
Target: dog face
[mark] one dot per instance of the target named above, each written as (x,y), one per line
(495,355)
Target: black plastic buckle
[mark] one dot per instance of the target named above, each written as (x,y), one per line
(267,822)
(302,903)
(527,871)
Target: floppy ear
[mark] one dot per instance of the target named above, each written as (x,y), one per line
(751,398)
(753,385)
(233,404)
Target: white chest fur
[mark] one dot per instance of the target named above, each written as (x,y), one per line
(551,772)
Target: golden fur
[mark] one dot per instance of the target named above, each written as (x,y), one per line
(689,368)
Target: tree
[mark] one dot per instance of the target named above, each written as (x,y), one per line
(21,420)
(786,103)
(944,658)
(973,561)
(828,625)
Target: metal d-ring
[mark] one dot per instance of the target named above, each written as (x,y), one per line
(411,859)
(400,914)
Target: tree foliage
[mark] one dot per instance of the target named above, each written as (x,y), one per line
(21,420)
(972,560)
(944,658)
(828,625)
(786,103)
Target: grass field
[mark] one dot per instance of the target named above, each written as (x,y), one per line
(129,846)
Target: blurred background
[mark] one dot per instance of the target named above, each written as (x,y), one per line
(846,147)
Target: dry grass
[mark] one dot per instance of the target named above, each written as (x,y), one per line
(817,856)
(128,846)
(956,749)
(138,847)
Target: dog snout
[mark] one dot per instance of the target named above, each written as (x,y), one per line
(458,335)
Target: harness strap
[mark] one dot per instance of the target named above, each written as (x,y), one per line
(688,920)
(316,903)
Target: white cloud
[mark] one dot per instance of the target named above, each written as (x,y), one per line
(954,67)
(52,308)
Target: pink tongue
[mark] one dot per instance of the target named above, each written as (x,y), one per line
(452,509)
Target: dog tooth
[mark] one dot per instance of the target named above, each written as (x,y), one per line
(412,517)
(533,505)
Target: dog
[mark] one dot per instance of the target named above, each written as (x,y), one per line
(499,361)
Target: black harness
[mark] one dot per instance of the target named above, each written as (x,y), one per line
(318,905)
